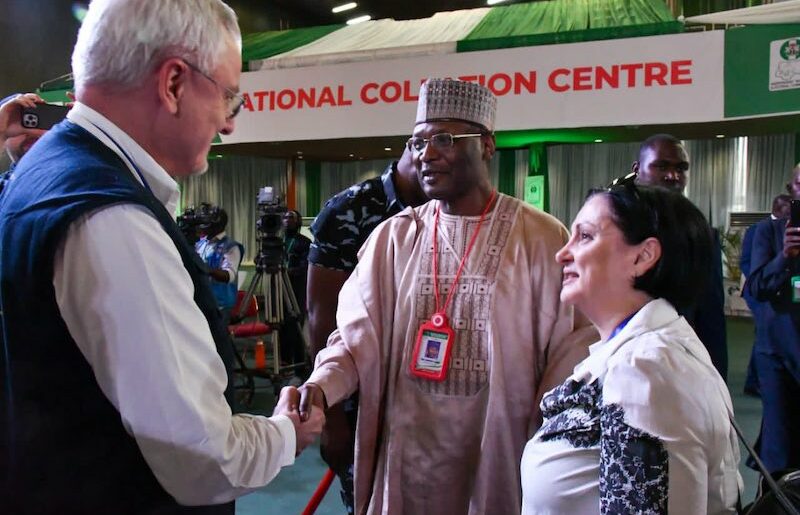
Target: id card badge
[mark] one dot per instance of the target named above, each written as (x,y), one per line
(432,350)
(796,289)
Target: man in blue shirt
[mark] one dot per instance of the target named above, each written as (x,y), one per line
(780,210)
(223,255)
(774,281)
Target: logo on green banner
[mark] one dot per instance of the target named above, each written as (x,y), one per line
(534,191)
(784,64)
(790,50)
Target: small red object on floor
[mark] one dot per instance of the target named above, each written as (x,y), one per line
(261,355)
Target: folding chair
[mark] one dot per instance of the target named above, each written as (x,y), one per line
(247,326)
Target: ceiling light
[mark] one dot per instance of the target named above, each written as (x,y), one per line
(359,19)
(598,141)
(388,149)
(299,152)
(720,136)
(352,155)
(492,2)
(344,7)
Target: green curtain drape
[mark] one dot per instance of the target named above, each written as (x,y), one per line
(698,7)
(506,174)
(313,177)
(797,148)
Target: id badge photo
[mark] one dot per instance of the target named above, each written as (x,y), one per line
(432,349)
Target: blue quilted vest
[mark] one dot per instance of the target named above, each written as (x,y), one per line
(63,448)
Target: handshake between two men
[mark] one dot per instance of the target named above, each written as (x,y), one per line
(307,423)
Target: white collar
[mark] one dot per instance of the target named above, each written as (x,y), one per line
(653,315)
(161,184)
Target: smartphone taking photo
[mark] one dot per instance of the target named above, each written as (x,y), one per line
(43,116)
(794,218)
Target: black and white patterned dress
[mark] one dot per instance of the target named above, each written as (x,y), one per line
(640,427)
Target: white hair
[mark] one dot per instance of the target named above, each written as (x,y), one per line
(120,41)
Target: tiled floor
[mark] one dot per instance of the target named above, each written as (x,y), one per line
(291,490)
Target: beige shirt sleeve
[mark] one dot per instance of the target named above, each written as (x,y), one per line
(335,369)
(364,318)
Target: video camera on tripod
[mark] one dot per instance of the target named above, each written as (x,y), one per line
(196,220)
(271,279)
(269,230)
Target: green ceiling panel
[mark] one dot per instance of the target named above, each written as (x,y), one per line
(568,15)
(569,21)
(262,45)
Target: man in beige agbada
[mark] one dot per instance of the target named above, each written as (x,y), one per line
(448,446)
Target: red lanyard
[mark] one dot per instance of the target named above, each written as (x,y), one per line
(463,259)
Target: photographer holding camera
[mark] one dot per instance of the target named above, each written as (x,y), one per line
(222,254)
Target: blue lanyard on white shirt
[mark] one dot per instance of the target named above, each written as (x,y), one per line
(131,161)
(621,325)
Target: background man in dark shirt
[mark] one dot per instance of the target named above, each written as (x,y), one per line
(775,270)
(339,231)
(663,161)
(296,247)
(780,210)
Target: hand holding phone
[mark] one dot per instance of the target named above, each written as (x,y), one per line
(794,217)
(11,114)
(791,237)
(43,116)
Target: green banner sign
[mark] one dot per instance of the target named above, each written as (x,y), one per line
(762,70)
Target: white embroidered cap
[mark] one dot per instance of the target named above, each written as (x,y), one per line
(450,99)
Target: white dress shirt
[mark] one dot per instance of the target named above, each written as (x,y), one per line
(641,426)
(128,303)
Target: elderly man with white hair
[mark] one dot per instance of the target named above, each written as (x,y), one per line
(113,385)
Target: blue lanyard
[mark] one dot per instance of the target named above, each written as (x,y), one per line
(131,161)
(621,325)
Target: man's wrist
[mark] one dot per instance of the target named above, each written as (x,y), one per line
(311,385)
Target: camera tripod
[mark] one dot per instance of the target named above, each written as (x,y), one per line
(280,309)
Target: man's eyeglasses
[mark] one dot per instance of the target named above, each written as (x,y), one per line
(441,141)
(233,100)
